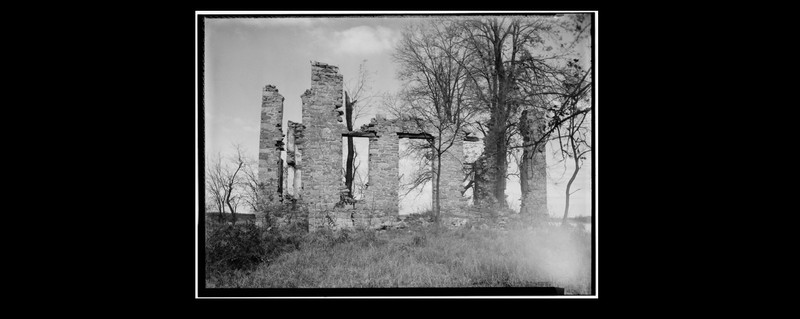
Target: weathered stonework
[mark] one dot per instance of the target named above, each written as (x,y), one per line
(294,150)
(383,165)
(452,175)
(533,170)
(270,164)
(313,173)
(322,176)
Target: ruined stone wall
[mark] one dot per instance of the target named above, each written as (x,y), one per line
(533,170)
(379,204)
(294,150)
(270,167)
(384,158)
(381,195)
(452,175)
(322,167)
(316,180)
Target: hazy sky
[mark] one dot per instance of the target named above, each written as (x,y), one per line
(242,55)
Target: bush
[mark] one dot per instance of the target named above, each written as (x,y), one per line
(326,238)
(368,238)
(419,240)
(233,247)
(278,242)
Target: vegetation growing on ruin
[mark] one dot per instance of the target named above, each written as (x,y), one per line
(513,83)
(417,256)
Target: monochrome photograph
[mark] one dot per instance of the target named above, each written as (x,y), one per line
(396,154)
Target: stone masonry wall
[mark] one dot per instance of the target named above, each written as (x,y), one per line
(452,174)
(383,164)
(270,167)
(294,150)
(318,140)
(322,167)
(533,170)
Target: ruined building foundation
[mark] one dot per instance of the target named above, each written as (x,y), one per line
(313,174)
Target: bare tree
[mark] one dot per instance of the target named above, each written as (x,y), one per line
(254,194)
(571,101)
(496,46)
(435,93)
(576,148)
(550,82)
(223,181)
(232,181)
(354,93)
(359,184)
(513,64)
(421,152)
(215,182)
(574,92)
(572,114)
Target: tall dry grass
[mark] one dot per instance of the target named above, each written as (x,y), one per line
(425,257)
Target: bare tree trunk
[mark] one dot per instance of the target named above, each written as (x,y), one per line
(492,176)
(438,188)
(569,184)
(577,158)
(349,174)
(474,182)
(233,212)
(497,163)
(221,211)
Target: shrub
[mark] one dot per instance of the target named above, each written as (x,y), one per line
(324,238)
(368,238)
(233,247)
(279,241)
(419,240)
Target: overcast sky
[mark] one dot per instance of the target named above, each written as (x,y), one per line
(242,55)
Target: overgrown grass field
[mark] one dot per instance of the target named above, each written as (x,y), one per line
(414,257)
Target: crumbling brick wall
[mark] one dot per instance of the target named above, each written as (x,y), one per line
(533,170)
(270,165)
